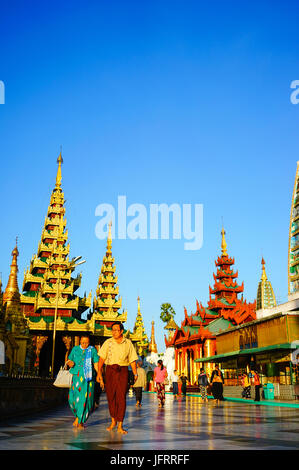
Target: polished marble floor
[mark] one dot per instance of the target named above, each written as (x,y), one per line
(184,424)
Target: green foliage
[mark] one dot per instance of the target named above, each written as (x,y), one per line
(166,312)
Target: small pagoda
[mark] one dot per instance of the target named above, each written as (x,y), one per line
(14,330)
(139,336)
(49,301)
(153,345)
(265,294)
(196,337)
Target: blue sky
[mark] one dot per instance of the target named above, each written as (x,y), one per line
(164,102)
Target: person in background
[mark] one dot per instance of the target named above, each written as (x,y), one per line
(246,393)
(183,379)
(217,384)
(140,383)
(160,375)
(256,381)
(203,385)
(175,387)
(82,361)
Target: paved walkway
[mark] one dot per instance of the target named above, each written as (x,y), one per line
(184,424)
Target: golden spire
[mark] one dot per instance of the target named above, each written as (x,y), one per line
(109,238)
(223,243)
(12,293)
(139,332)
(153,346)
(264,275)
(265,294)
(58,176)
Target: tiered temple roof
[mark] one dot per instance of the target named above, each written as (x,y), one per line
(224,308)
(48,283)
(106,304)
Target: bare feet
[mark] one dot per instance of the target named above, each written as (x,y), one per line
(75,423)
(121,430)
(112,425)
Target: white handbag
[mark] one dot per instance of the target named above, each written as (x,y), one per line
(63,379)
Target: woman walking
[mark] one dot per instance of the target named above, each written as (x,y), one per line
(203,385)
(160,375)
(140,383)
(217,384)
(81,361)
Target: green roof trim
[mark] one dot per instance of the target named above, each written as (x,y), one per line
(241,352)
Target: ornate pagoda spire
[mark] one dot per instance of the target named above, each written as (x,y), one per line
(223,243)
(59,176)
(225,301)
(293,255)
(265,293)
(139,332)
(106,304)
(153,345)
(48,282)
(11,294)
(11,298)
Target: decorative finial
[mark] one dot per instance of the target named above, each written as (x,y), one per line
(58,176)
(223,243)
(264,275)
(12,290)
(109,238)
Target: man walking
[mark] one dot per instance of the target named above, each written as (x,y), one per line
(117,353)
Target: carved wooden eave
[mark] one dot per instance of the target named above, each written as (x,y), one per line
(74,326)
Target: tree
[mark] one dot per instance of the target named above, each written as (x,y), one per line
(166,312)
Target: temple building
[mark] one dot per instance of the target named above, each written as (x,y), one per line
(270,343)
(14,332)
(196,339)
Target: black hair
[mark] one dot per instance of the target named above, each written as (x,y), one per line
(121,326)
(161,364)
